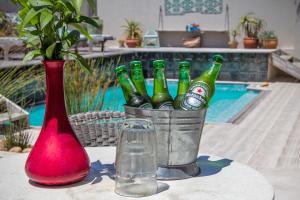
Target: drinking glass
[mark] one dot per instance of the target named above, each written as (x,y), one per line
(136,159)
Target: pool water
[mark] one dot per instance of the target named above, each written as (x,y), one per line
(229,99)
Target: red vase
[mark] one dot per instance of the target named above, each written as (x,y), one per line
(57,157)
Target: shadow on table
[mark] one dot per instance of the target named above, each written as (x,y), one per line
(97,170)
(209,167)
(161,187)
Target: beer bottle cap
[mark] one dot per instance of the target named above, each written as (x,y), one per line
(159,63)
(135,63)
(184,64)
(218,59)
(120,68)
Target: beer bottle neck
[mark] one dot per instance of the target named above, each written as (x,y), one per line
(127,85)
(137,78)
(214,70)
(160,83)
(137,74)
(184,81)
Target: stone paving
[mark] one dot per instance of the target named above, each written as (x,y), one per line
(267,139)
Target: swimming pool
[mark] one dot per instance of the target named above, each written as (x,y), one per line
(229,99)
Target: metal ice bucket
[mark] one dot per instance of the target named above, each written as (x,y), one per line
(178,138)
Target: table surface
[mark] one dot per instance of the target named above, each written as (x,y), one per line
(221,179)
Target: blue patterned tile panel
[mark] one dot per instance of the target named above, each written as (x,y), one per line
(181,7)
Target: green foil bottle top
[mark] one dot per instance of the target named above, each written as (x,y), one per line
(184,64)
(159,64)
(120,69)
(135,63)
(218,59)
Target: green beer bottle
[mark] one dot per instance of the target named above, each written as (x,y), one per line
(183,82)
(132,96)
(137,77)
(161,98)
(202,88)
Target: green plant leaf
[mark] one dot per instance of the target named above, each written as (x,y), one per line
(35,32)
(89,20)
(34,20)
(82,30)
(22,13)
(29,16)
(32,54)
(73,37)
(68,5)
(40,2)
(45,18)
(77,5)
(49,50)
(80,60)
(33,40)
(23,3)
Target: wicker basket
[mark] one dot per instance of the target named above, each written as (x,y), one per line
(97,128)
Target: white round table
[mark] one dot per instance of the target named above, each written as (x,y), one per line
(220,179)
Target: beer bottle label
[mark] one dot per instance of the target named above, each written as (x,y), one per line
(146,106)
(166,106)
(196,97)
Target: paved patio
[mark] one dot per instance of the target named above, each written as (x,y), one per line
(267,139)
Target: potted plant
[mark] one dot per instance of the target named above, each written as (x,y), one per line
(251,26)
(268,40)
(133,33)
(233,43)
(57,157)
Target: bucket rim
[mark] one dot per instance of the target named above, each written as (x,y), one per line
(164,110)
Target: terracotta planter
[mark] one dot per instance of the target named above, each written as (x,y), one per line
(57,157)
(269,43)
(132,43)
(250,43)
(233,44)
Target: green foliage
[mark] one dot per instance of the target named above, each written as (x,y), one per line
(86,91)
(15,136)
(3,107)
(45,25)
(7,27)
(96,30)
(133,29)
(267,35)
(251,26)
(20,84)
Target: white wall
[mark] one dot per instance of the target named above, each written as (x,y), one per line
(279,14)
